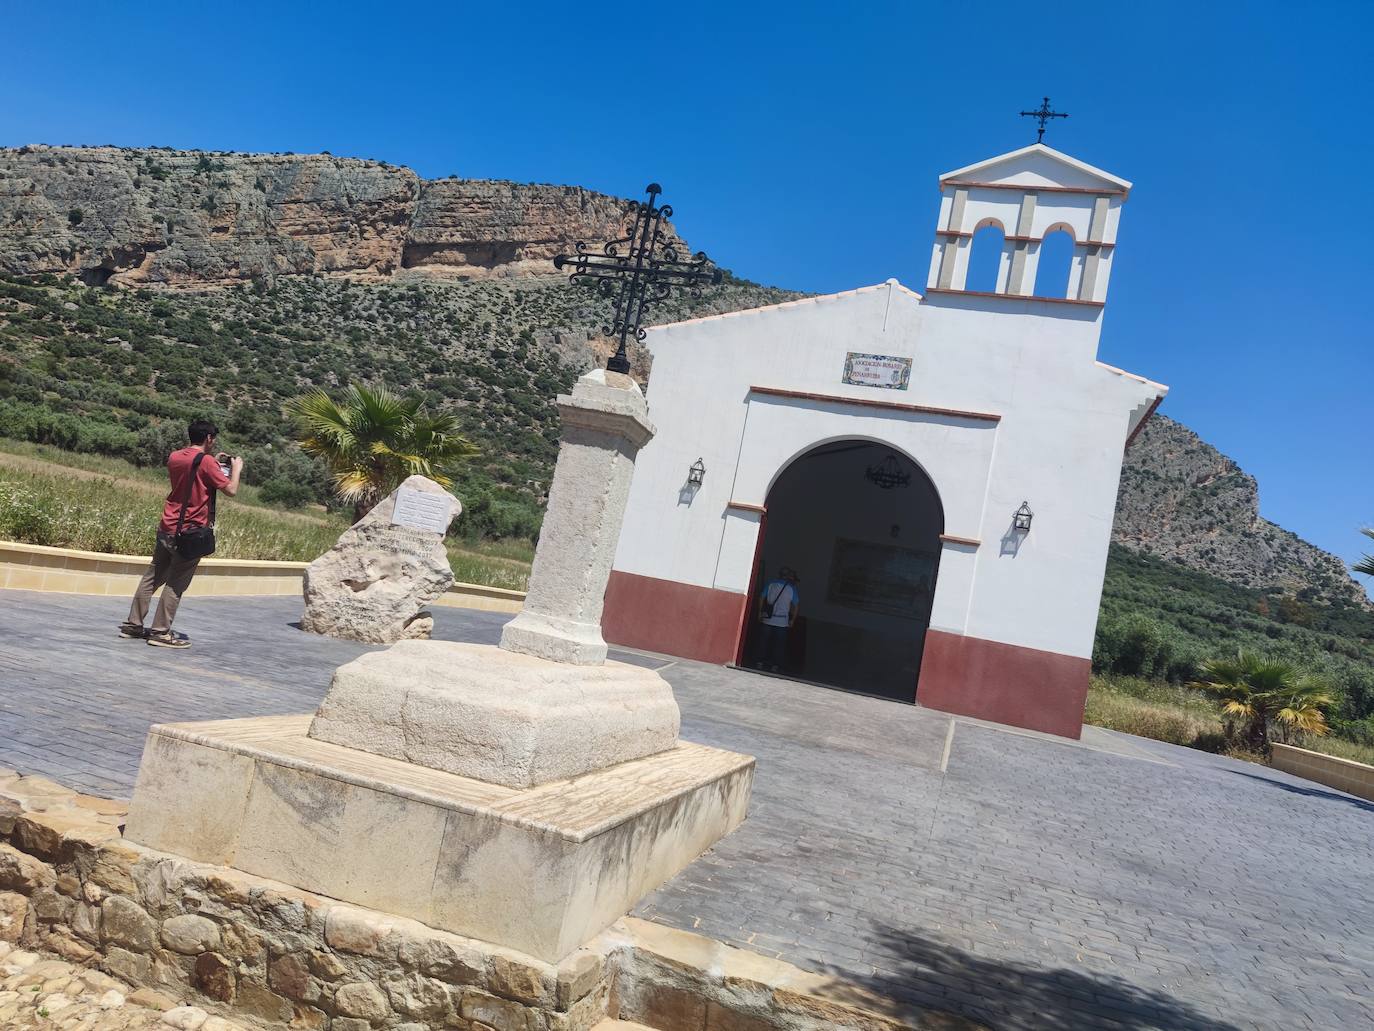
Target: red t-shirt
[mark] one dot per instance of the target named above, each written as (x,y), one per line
(209,477)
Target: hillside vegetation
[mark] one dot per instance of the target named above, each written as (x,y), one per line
(1160,619)
(120,373)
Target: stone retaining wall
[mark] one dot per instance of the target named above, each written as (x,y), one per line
(271,956)
(34,567)
(1342,774)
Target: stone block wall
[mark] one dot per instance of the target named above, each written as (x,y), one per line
(35,567)
(267,955)
(261,952)
(1346,775)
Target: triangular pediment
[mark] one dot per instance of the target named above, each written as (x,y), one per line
(802,304)
(1038,165)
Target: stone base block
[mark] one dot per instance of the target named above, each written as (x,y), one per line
(540,870)
(496,715)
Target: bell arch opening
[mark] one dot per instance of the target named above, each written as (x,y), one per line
(858,522)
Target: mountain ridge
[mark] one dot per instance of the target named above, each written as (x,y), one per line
(1183,500)
(196,219)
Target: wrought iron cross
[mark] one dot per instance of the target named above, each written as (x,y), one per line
(1044,114)
(644,274)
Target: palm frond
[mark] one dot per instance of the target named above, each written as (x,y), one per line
(373,439)
(1366,565)
(1305,718)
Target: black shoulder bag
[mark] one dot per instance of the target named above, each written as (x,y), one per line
(198,541)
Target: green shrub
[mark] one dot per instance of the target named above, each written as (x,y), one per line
(288,493)
(1137,645)
(24,517)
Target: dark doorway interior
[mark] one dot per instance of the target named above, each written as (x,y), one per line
(860,524)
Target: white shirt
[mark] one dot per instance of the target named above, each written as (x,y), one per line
(778,597)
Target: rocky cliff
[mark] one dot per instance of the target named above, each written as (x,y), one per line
(191,219)
(1183,499)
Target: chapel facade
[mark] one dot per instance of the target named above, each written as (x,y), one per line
(939,468)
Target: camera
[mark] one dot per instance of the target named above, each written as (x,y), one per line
(224,464)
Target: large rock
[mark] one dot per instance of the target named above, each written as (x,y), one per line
(374,583)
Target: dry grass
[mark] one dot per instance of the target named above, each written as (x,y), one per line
(1154,710)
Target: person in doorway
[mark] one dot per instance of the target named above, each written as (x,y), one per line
(196,474)
(778,606)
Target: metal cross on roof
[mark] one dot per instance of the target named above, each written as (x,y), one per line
(638,277)
(1044,114)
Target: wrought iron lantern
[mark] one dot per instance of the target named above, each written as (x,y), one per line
(888,473)
(1022,519)
(696,473)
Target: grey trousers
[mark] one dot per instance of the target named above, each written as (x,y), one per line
(172,573)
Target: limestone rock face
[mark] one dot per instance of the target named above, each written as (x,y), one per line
(1183,500)
(191,219)
(374,583)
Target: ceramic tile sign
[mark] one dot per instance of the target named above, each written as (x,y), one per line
(877,370)
(421,510)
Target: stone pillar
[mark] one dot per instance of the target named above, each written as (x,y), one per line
(605,423)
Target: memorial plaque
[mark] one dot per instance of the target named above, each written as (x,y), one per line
(877,370)
(421,510)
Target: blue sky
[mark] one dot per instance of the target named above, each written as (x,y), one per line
(800,144)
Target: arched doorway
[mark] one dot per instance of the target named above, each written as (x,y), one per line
(860,524)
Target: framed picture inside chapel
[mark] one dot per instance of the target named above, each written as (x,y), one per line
(882,578)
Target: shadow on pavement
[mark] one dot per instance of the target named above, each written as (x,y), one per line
(1334,796)
(1010,996)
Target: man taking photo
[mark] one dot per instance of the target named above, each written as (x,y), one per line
(185,535)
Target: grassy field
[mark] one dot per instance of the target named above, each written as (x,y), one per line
(93,503)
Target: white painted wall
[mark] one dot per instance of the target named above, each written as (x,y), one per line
(1064,419)
(1058,445)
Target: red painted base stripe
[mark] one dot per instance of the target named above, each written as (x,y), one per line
(673,618)
(1004,683)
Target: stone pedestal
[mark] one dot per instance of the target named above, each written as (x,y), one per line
(540,870)
(495,715)
(527,795)
(605,423)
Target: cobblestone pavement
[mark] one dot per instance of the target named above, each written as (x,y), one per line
(1117,883)
(43,992)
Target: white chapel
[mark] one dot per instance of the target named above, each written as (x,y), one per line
(939,467)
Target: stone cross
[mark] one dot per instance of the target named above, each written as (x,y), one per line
(605,423)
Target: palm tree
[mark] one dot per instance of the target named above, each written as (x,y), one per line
(1262,692)
(373,440)
(1366,564)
